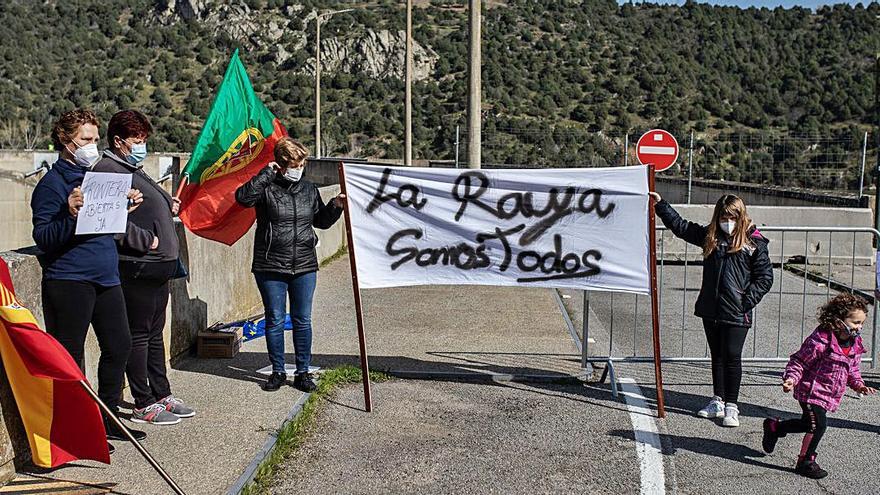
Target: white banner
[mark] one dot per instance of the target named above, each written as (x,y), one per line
(581,228)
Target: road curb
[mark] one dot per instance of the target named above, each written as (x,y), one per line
(250,472)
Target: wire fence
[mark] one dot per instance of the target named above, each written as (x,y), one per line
(839,161)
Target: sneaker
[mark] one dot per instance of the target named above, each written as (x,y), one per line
(771,427)
(731,415)
(304,382)
(113,432)
(154,414)
(176,407)
(715,409)
(274,382)
(807,467)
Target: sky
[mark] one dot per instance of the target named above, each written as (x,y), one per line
(812,4)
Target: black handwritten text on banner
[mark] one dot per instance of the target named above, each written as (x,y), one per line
(576,228)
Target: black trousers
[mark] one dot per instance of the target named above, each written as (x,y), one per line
(69,307)
(813,422)
(726,345)
(146,290)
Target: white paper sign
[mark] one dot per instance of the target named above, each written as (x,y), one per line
(105,203)
(575,228)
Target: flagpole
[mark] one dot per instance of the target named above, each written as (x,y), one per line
(112,417)
(184,180)
(362,339)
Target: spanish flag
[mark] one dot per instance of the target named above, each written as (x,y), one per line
(237,140)
(62,422)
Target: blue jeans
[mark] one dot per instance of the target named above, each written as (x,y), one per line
(274,289)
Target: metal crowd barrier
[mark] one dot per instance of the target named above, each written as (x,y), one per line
(814,272)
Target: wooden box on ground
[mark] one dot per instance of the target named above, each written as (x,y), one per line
(220,344)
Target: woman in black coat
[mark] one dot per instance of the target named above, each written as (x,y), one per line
(285,263)
(737,273)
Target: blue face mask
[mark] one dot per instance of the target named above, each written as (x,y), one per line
(138,153)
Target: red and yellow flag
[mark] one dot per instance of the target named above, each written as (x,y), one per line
(237,140)
(62,422)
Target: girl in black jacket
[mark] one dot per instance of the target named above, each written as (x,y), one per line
(736,274)
(285,263)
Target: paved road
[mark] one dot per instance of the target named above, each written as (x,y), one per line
(455,435)
(459,437)
(708,458)
(470,429)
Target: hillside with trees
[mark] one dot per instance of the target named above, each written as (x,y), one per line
(555,74)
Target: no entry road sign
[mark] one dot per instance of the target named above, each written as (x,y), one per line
(657,147)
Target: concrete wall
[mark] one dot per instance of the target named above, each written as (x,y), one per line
(220,287)
(15,209)
(815,246)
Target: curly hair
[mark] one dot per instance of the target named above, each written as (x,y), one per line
(839,308)
(66,127)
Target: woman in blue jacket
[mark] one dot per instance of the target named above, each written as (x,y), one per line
(81,272)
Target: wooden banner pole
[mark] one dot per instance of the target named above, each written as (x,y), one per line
(655,307)
(362,339)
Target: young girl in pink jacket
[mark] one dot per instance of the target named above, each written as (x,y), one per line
(827,362)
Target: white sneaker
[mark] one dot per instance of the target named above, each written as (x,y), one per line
(731,415)
(715,409)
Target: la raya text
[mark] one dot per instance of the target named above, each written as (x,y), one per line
(470,186)
(467,190)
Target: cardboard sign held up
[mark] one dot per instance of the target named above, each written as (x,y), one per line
(105,203)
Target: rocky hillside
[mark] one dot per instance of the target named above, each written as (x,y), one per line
(558,76)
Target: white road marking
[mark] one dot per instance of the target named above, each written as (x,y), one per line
(653,480)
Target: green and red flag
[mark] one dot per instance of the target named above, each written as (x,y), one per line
(61,420)
(237,140)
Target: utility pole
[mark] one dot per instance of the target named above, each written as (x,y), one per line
(876,198)
(474,86)
(877,143)
(318,86)
(457,133)
(318,18)
(407,159)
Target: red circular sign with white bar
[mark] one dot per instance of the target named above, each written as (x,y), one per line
(657,147)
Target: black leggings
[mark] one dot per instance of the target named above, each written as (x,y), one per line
(69,307)
(726,345)
(813,422)
(145,286)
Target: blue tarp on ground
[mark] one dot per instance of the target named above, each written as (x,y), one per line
(256,329)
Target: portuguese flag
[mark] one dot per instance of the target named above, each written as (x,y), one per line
(238,140)
(62,422)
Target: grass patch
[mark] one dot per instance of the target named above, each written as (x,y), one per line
(335,256)
(292,434)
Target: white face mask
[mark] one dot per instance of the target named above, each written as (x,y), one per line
(294,174)
(728,227)
(86,156)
